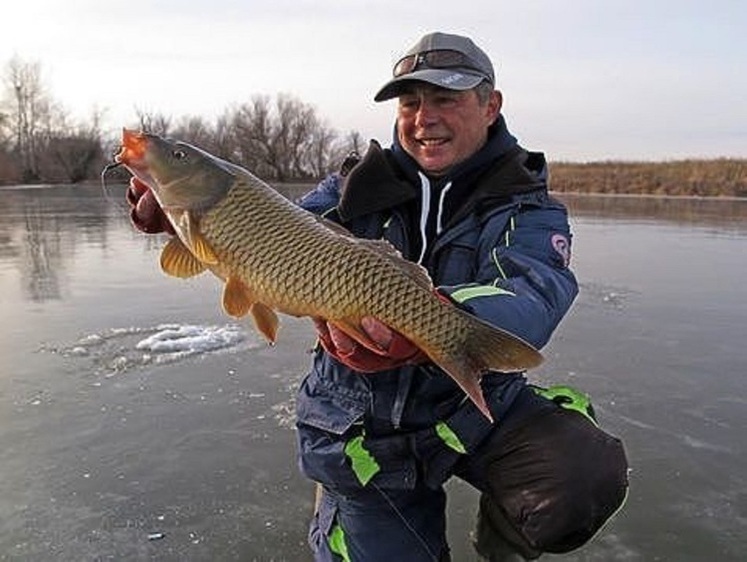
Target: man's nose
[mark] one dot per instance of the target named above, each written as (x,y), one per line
(426,114)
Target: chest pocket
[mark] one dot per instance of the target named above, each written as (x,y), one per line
(455,264)
(456,258)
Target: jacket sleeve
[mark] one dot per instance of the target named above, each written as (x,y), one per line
(523,282)
(324,197)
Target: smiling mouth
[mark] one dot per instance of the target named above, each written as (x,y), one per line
(432,142)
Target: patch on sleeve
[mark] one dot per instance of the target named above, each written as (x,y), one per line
(562,246)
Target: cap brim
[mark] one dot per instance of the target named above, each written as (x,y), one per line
(451,79)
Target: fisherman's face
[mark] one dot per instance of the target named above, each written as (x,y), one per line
(440,128)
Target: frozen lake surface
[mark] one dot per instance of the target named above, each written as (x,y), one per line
(137,422)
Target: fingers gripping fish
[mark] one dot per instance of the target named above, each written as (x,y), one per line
(276,257)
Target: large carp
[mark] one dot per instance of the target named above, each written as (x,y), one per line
(275,256)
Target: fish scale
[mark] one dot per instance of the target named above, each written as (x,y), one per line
(282,269)
(275,256)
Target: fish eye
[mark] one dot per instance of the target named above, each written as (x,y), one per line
(179,154)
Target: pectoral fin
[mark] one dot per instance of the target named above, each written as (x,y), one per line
(200,247)
(237,299)
(265,320)
(178,261)
(189,225)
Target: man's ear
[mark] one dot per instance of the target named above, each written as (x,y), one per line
(494,104)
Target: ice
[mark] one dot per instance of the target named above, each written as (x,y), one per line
(192,338)
(117,350)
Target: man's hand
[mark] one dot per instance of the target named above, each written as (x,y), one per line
(145,212)
(394,351)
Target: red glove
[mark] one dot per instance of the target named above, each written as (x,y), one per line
(396,349)
(145,212)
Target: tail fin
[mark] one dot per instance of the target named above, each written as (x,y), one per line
(487,348)
(500,350)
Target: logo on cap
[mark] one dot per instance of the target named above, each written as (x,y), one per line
(451,78)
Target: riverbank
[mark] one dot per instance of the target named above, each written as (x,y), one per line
(722,177)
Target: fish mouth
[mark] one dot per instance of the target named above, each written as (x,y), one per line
(132,151)
(132,155)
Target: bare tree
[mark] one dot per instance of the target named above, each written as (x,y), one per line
(9,172)
(354,142)
(321,150)
(296,124)
(282,141)
(5,130)
(246,126)
(223,142)
(76,152)
(28,108)
(279,139)
(46,145)
(156,123)
(346,152)
(194,130)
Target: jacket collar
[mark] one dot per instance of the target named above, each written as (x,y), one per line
(384,179)
(374,184)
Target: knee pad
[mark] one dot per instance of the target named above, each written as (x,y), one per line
(552,483)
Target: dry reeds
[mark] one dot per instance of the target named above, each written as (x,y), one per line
(722,177)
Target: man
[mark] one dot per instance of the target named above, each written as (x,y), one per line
(381,432)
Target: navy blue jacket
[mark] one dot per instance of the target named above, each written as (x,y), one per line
(489,235)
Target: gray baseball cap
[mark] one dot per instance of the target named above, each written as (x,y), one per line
(448,61)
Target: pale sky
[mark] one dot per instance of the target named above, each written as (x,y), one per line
(581,79)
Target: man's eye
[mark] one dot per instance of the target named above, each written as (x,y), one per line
(179,154)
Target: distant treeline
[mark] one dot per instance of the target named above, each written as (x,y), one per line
(281,140)
(722,177)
